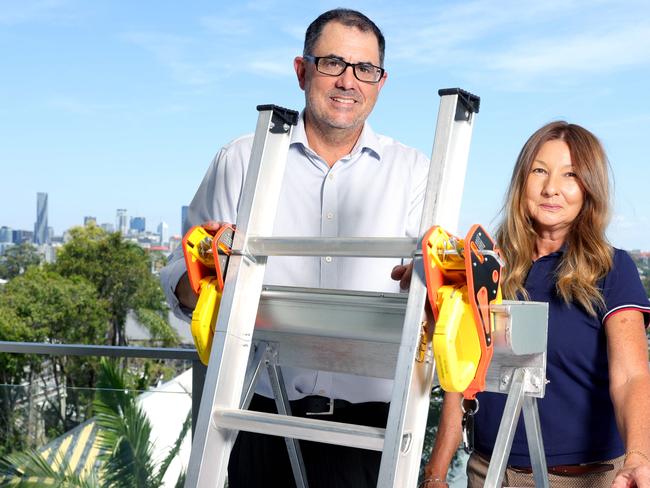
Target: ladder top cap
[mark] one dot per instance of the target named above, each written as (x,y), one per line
(471,101)
(287,115)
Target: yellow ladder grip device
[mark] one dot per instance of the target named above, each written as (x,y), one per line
(456,346)
(206,253)
(205,317)
(457,287)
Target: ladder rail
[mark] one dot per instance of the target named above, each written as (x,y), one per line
(535,442)
(412,387)
(506,434)
(284,408)
(235,323)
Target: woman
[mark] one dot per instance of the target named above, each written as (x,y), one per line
(595,416)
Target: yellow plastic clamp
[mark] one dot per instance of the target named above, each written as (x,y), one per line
(204,317)
(456,346)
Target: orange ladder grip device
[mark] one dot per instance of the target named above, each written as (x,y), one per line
(462,282)
(483,271)
(206,255)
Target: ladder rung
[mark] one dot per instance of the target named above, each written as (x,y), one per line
(376,247)
(360,436)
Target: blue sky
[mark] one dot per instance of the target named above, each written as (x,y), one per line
(116,104)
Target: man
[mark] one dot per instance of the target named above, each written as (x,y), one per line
(341,180)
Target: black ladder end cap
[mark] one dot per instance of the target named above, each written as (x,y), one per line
(472,102)
(286,114)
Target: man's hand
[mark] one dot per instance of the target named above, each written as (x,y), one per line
(184,291)
(211,226)
(403,275)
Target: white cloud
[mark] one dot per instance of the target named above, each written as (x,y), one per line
(74,105)
(590,52)
(176,53)
(518,44)
(229,26)
(12,13)
(274,68)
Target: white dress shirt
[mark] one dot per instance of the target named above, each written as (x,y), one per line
(375,191)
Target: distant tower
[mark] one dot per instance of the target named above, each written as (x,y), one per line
(138,224)
(121,221)
(6,234)
(40,227)
(163,232)
(88,220)
(184,223)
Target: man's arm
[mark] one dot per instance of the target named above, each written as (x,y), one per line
(186,296)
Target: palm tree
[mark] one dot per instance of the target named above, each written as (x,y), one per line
(124,439)
(28,469)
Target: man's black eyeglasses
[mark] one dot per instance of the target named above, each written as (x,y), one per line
(366,72)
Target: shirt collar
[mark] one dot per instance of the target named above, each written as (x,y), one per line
(368,140)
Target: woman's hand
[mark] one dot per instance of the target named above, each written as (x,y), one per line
(633,475)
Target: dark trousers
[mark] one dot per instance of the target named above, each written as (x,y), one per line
(259,460)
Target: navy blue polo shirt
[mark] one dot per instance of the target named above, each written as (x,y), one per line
(576,414)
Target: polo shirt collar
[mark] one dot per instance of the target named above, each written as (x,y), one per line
(368,140)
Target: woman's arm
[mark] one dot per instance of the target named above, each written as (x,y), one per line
(627,350)
(447,441)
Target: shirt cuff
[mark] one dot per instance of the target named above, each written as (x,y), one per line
(170,275)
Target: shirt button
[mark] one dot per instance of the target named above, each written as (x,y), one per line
(330,215)
(321,392)
(331,176)
(328,259)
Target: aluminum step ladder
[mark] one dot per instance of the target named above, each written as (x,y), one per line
(228,380)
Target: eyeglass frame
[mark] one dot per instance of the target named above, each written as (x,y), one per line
(316,59)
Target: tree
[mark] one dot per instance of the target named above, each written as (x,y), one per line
(125,438)
(126,447)
(41,305)
(120,271)
(16,260)
(12,372)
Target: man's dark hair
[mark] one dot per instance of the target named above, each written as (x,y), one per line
(347,17)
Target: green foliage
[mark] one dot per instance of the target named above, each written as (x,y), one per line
(17,259)
(12,371)
(54,308)
(43,306)
(125,435)
(120,271)
(643,265)
(28,469)
(124,439)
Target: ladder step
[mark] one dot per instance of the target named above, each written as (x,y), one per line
(375,247)
(309,429)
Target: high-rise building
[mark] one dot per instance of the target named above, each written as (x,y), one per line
(88,220)
(163,232)
(185,226)
(6,234)
(110,228)
(20,236)
(40,227)
(138,224)
(121,221)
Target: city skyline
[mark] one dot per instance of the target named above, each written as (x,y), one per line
(129,226)
(106,105)
(141,224)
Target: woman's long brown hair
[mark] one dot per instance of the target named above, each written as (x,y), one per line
(587,255)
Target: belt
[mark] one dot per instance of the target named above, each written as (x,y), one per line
(318,405)
(562,470)
(570,469)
